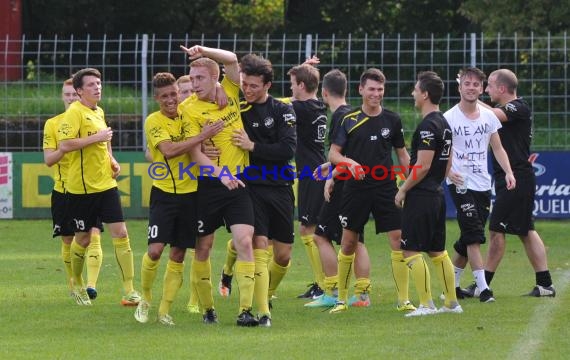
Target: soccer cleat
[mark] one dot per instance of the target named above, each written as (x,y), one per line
(264,321)
(246,319)
(210,317)
(542,291)
(323,301)
(80,296)
(132,299)
(313,292)
(193,309)
(338,308)
(422,310)
(471,291)
(225,284)
(165,319)
(459,294)
(486,296)
(457,309)
(141,313)
(92,293)
(362,300)
(406,306)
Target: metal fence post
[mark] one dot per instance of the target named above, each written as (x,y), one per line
(144,85)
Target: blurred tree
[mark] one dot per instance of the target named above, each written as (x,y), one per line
(519,16)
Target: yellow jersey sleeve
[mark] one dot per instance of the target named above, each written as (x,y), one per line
(175,175)
(59,169)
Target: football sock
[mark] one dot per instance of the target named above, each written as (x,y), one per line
(543,278)
(314,258)
(94,260)
(172,283)
(458,272)
(331,283)
(276,274)
(345,263)
(149,269)
(479,276)
(489,276)
(124,257)
(420,275)
(77,261)
(66,257)
(318,270)
(444,271)
(245,278)
(203,282)
(362,285)
(231,257)
(193,293)
(401,275)
(261,288)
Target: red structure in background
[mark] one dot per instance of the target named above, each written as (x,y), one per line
(10,40)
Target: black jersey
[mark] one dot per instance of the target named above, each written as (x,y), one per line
(433,133)
(311,133)
(516,135)
(369,141)
(271,126)
(336,120)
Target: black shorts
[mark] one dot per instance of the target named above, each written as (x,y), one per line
(90,210)
(328,224)
(310,198)
(423,224)
(358,203)
(472,213)
(273,207)
(512,210)
(218,206)
(172,218)
(61,225)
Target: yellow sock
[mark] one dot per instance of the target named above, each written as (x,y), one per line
(315,261)
(261,288)
(245,278)
(77,261)
(231,257)
(203,283)
(124,257)
(94,260)
(276,274)
(318,270)
(401,274)
(194,298)
(66,257)
(362,285)
(148,274)
(345,263)
(420,274)
(270,250)
(172,283)
(445,273)
(331,283)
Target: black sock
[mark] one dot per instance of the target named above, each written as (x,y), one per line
(543,278)
(489,277)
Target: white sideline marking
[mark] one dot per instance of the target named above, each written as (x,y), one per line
(530,343)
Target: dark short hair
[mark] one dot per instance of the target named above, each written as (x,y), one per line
(78,76)
(163,79)
(252,64)
(335,83)
(372,74)
(306,74)
(431,83)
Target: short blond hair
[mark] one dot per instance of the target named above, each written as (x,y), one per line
(208,63)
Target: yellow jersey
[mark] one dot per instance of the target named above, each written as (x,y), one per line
(90,167)
(176,170)
(50,142)
(197,113)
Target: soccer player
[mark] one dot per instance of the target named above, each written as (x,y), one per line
(365,139)
(328,227)
(91,187)
(172,216)
(512,210)
(55,157)
(222,198)
(311,133)
(473,128)
(421,196)
(270,139)
(184,87)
